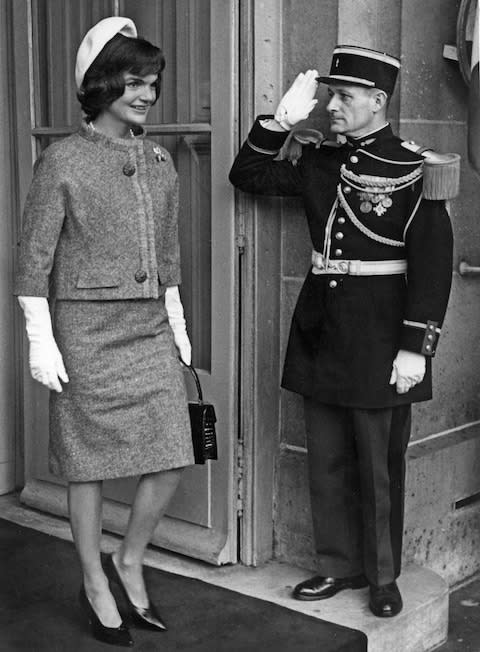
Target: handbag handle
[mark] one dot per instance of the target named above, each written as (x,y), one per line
(193,371)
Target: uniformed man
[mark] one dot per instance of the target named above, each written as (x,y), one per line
(369,314)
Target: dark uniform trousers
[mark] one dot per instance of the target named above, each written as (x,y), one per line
(357,475)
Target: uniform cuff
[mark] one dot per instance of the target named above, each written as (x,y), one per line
(264,140)
(420,337)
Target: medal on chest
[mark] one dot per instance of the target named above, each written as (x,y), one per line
(378,201)
(376,193)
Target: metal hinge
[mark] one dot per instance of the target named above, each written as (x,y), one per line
(240,241)
(240,469)
(241,234)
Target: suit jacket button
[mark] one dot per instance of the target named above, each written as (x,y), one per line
(129,169)
(140,276)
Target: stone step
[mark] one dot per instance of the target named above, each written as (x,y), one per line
(422,626)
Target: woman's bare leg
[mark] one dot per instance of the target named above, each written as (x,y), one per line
(153,494)
(85,509)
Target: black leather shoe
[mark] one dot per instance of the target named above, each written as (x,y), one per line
(112,635)
(321,588)
(147,617)
(385,601)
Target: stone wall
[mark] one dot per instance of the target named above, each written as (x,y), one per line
(442,528)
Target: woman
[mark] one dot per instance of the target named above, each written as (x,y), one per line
(100,240)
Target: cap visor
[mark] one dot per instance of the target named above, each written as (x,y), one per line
(345,79)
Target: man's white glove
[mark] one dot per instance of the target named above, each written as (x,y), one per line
(176,319)
(408,370)
(45,360)
(298,101)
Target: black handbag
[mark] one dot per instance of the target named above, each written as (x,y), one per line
(202,421)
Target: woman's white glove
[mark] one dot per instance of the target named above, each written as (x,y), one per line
(176,319)
(408,370)
(45,360)
(298,101)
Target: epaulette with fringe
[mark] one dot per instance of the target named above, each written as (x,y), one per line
(441,172)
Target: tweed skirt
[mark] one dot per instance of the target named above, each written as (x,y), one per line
(124,411)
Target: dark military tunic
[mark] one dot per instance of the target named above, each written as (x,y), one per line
(347,329)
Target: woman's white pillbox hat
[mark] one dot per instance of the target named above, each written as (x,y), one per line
(96,38)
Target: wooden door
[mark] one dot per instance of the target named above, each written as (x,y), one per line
(194,120)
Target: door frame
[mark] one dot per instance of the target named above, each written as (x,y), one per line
(255,74)
(259,242)
(214,546)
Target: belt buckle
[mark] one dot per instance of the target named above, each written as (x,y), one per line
(343,267)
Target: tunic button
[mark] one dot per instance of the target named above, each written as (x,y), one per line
(338,252)
(140,276)
(129,169)
(428,347)
(339,235)
(354,159)
(341,220)
(347,190)
(430,337)
(333,284)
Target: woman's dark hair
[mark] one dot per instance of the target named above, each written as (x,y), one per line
(104,81)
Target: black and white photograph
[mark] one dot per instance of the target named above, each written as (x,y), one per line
(240,341)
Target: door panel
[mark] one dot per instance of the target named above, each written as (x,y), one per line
(194,120)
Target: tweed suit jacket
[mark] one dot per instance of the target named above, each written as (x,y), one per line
(100,220)
(346,330)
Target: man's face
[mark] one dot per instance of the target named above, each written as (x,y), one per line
(352,109)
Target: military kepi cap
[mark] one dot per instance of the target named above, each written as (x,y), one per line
(96,38)
(356,65)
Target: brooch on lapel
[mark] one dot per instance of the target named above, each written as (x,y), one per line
(159,155)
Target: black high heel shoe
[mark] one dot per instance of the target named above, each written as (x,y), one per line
(143,616)
(113,635)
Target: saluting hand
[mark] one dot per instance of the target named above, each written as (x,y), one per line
(298,101)
(408,370)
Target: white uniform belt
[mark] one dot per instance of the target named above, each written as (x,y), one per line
(357,267)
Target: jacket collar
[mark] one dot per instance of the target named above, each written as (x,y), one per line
(89,133)
(368,139)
